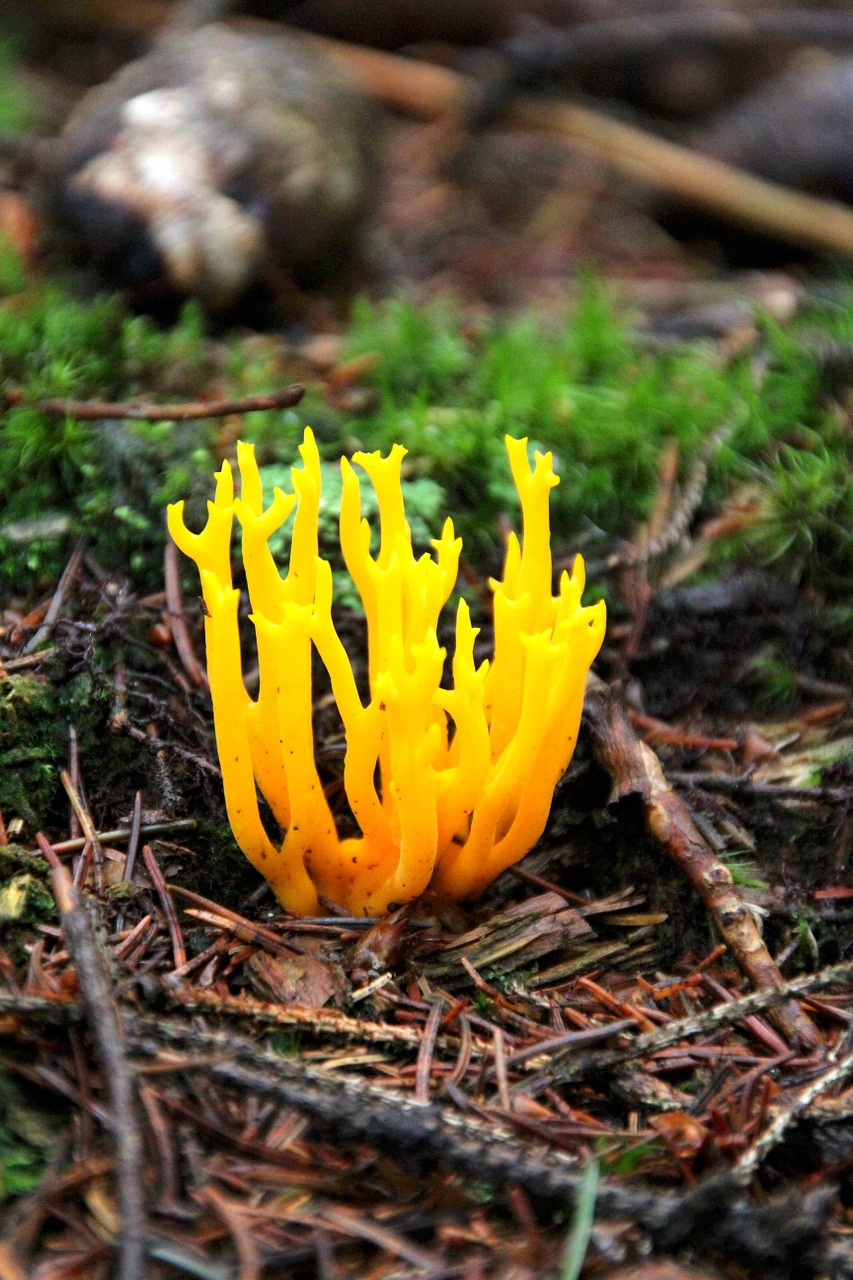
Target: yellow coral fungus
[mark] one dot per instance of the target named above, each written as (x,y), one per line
(465,774)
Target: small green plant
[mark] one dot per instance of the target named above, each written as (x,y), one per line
(745,871)
(579,1236)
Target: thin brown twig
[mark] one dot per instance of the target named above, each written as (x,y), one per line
(752,1159)
(244,930)
(124,833)
(743,784)
(636,770)
(87,826)
(74,774)
(95,410)
(759,1029)
(659,731)
(365,1228)
(679,517)
(105,1021)
(132,849)
(167,1175)
(156,743)
(501,1076)
(565,1068)
(10,665)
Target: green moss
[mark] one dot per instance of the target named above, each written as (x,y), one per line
(30,1131)
(35,713)
(607,407)
(106,479)
(582,386)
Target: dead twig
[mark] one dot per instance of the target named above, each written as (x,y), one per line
(10,665)
(116,834)
(565,1068)
(106,1025)
(636,770)
(676,521)
(223,918)
(745,785)
(87,826)
(659,731)
(263,1013)
(95,410)
(161,744)
(752,1159)
(235,1219)
(355,1224)
(74,774)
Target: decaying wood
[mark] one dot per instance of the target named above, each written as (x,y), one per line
(433,92)
(636,770)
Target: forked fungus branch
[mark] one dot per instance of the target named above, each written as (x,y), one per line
(465,774)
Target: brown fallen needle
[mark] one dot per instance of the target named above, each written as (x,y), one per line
(636,770)
(431,92)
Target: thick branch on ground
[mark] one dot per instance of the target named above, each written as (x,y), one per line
(430,1135)
(429,91)
(636,770)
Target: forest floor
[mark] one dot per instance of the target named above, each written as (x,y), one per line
(637,1044)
